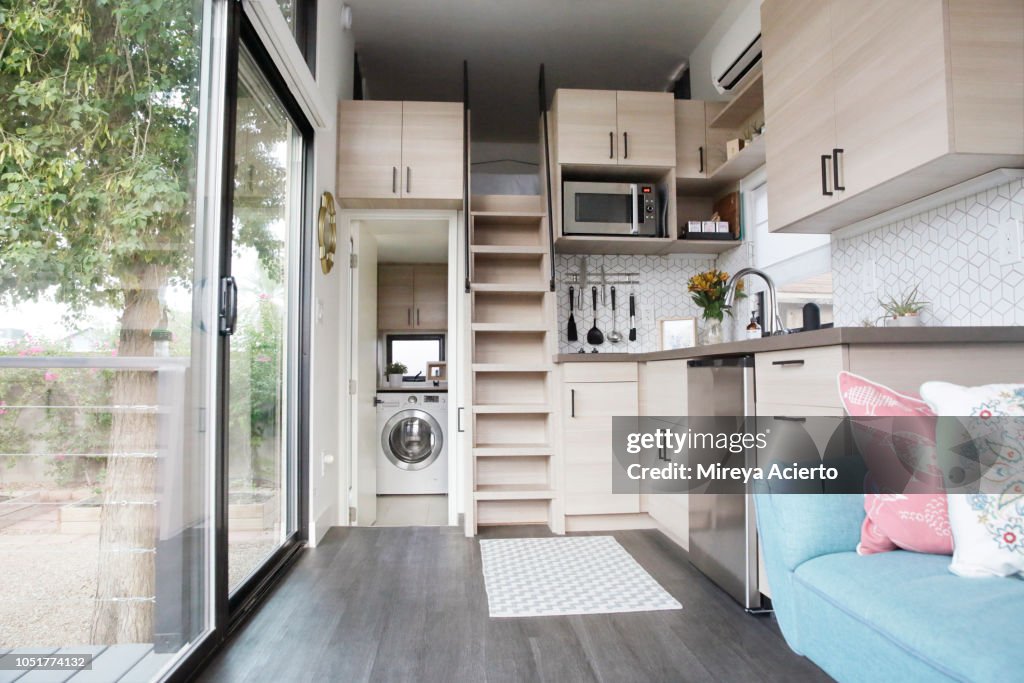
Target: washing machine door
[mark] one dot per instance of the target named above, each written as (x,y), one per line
(412,439)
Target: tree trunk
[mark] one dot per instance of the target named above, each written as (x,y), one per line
(123,611)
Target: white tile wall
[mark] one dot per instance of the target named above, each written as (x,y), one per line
(950,252)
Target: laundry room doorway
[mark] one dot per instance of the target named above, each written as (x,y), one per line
(404,458)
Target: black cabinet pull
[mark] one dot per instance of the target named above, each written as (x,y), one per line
(835,169)
(611,145)
(572,403)
(824,174)
(408,179)
(625,145)
(394,180)
(790,419)
(700,152)
(788,362)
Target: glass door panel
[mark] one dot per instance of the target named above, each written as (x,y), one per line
(262,367)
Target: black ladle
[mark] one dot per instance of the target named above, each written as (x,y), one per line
(594,336)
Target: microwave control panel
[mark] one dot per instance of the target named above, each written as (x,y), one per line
(649,203)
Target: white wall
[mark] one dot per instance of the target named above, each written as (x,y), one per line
(334,62)
(701,87)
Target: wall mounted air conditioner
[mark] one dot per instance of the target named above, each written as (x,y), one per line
(738,53)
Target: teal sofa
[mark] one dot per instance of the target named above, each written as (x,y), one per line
(897,616)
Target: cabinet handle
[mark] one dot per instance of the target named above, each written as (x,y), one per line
(824,174)
(835,169)
(796,362)
(408,179)
(611,145)
(700,152)
(572,403)
(394,180)
(790,419)
(408,316)
(417,317)
(625,145)
(458,420)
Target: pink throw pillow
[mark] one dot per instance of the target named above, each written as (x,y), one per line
(918,522)
(902,445)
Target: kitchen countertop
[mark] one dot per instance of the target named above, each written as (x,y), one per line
(826,337)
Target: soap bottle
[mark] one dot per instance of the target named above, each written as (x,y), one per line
(753,329)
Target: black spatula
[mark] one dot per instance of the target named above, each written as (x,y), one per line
(632,317)
(594,336)
(573,335)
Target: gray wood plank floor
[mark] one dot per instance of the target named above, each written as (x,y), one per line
(408,604)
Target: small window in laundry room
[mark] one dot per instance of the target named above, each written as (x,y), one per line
(414,351)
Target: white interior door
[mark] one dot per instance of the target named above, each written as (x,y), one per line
(364,371)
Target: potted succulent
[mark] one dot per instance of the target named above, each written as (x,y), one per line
(395,372)
(162,338)
(708,291)
(904,311)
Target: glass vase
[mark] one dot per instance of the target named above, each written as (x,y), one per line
(712,331)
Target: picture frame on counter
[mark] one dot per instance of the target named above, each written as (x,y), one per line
(677,333)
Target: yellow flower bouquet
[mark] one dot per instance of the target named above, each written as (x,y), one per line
(708,290)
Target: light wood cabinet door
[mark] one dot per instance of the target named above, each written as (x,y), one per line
(587,409)
(431,150)
(431,297)
(395,297)
(691,141)
(888,125)
(369,149)
(586,127)
(799,102)
(646,128)
(662,391)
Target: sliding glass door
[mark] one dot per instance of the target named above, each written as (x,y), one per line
(262,371)
(263,325)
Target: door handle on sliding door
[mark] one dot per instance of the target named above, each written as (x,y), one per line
(824,175)
(228,297)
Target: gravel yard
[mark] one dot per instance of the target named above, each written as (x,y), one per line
(48,579)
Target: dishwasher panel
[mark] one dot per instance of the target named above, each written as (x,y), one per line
(723,529)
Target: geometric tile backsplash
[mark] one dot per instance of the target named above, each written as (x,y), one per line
(951,252)
(661,293)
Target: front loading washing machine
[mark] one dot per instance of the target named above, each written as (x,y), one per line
(413,454)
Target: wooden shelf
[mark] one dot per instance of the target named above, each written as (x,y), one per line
(509,327)
(503,250)
(511,367)
(509,289)
(512,493)
(492,217)
(661,245)
(513,451)
(688,246)
(742,106)
(511,409)
(585,244)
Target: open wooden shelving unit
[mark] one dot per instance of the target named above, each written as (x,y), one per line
(512,314)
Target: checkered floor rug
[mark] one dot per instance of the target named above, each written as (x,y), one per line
(531,577)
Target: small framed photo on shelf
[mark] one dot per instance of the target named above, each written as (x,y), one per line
(437,372)
(677,333)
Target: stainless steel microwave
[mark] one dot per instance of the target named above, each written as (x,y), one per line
(625,209)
